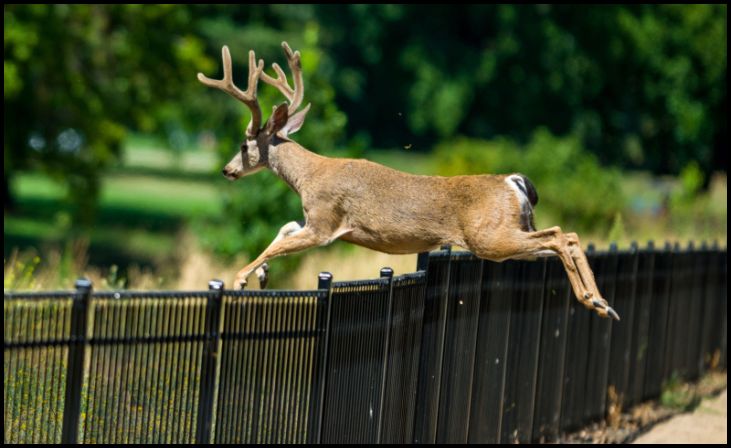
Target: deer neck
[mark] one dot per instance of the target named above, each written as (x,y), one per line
(292,163)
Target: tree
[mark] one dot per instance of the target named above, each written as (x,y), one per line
(644,85)
(76,77)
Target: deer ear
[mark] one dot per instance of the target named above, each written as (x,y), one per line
(295,122)
(278,119)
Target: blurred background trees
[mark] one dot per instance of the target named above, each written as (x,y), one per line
(576,97)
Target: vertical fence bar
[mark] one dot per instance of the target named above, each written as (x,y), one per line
(695,311)
(388,274)
(600,337)
(403,358)
(673,349)
(75,375)
(705,265)
(576,358)
(488,390)
(622,337)
(684,319)
(557,296)
(643,298)
(523,345)
(460,339)
(431,356)
(209,364)
(654,373)
(723,267)
(715,294)
(324,325)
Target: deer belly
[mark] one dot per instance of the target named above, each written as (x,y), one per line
(391,243)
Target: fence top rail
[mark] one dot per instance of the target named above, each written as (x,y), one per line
(411,276)
(352,284)
(271,293)
(40,295)
(275,293)
(663,247)
(116,295)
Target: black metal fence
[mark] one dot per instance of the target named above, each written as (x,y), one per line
(464,350)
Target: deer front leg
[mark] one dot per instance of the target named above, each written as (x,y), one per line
(292,237)
(262,272)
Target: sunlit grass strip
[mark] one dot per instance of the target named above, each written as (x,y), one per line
(34,380)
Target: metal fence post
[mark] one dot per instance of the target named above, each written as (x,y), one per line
(422,261)
(75,376)
(324,282)
(209,362)
(386,273)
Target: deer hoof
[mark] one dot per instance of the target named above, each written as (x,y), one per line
(597,304)
(612,313)
(240,283)
(262,272)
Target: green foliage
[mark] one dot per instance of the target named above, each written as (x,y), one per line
(678,395)
(78,76)
(572,186)
(255,207)
(642,85)
(691,180)
(697,212)
(617,232)
(19,273)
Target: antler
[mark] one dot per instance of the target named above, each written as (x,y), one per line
(249,96)
(294,96)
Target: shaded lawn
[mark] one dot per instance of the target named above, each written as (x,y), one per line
(137,220)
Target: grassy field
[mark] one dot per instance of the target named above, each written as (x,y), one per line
(148,203)
(143,206)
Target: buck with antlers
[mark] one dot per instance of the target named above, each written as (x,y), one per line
(387,210)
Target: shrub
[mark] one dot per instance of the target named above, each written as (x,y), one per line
(573,188)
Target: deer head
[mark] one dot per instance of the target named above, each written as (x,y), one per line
(253,155)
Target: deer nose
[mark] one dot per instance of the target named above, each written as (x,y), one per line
(223,171)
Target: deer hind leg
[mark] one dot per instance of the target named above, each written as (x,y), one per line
(579,272)
(552,241)
(292,237)
(583,265)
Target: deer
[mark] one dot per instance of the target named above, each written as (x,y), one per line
(383,209)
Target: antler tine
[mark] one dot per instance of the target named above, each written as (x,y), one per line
(281,82)
(294,96)
(295,64)
(227,85)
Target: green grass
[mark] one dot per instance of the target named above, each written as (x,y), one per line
(143,205)
(38,186)
(144,152)
(179,198)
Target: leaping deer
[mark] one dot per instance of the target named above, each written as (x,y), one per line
(383,209)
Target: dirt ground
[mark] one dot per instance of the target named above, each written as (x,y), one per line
(687,413)
(706,424)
